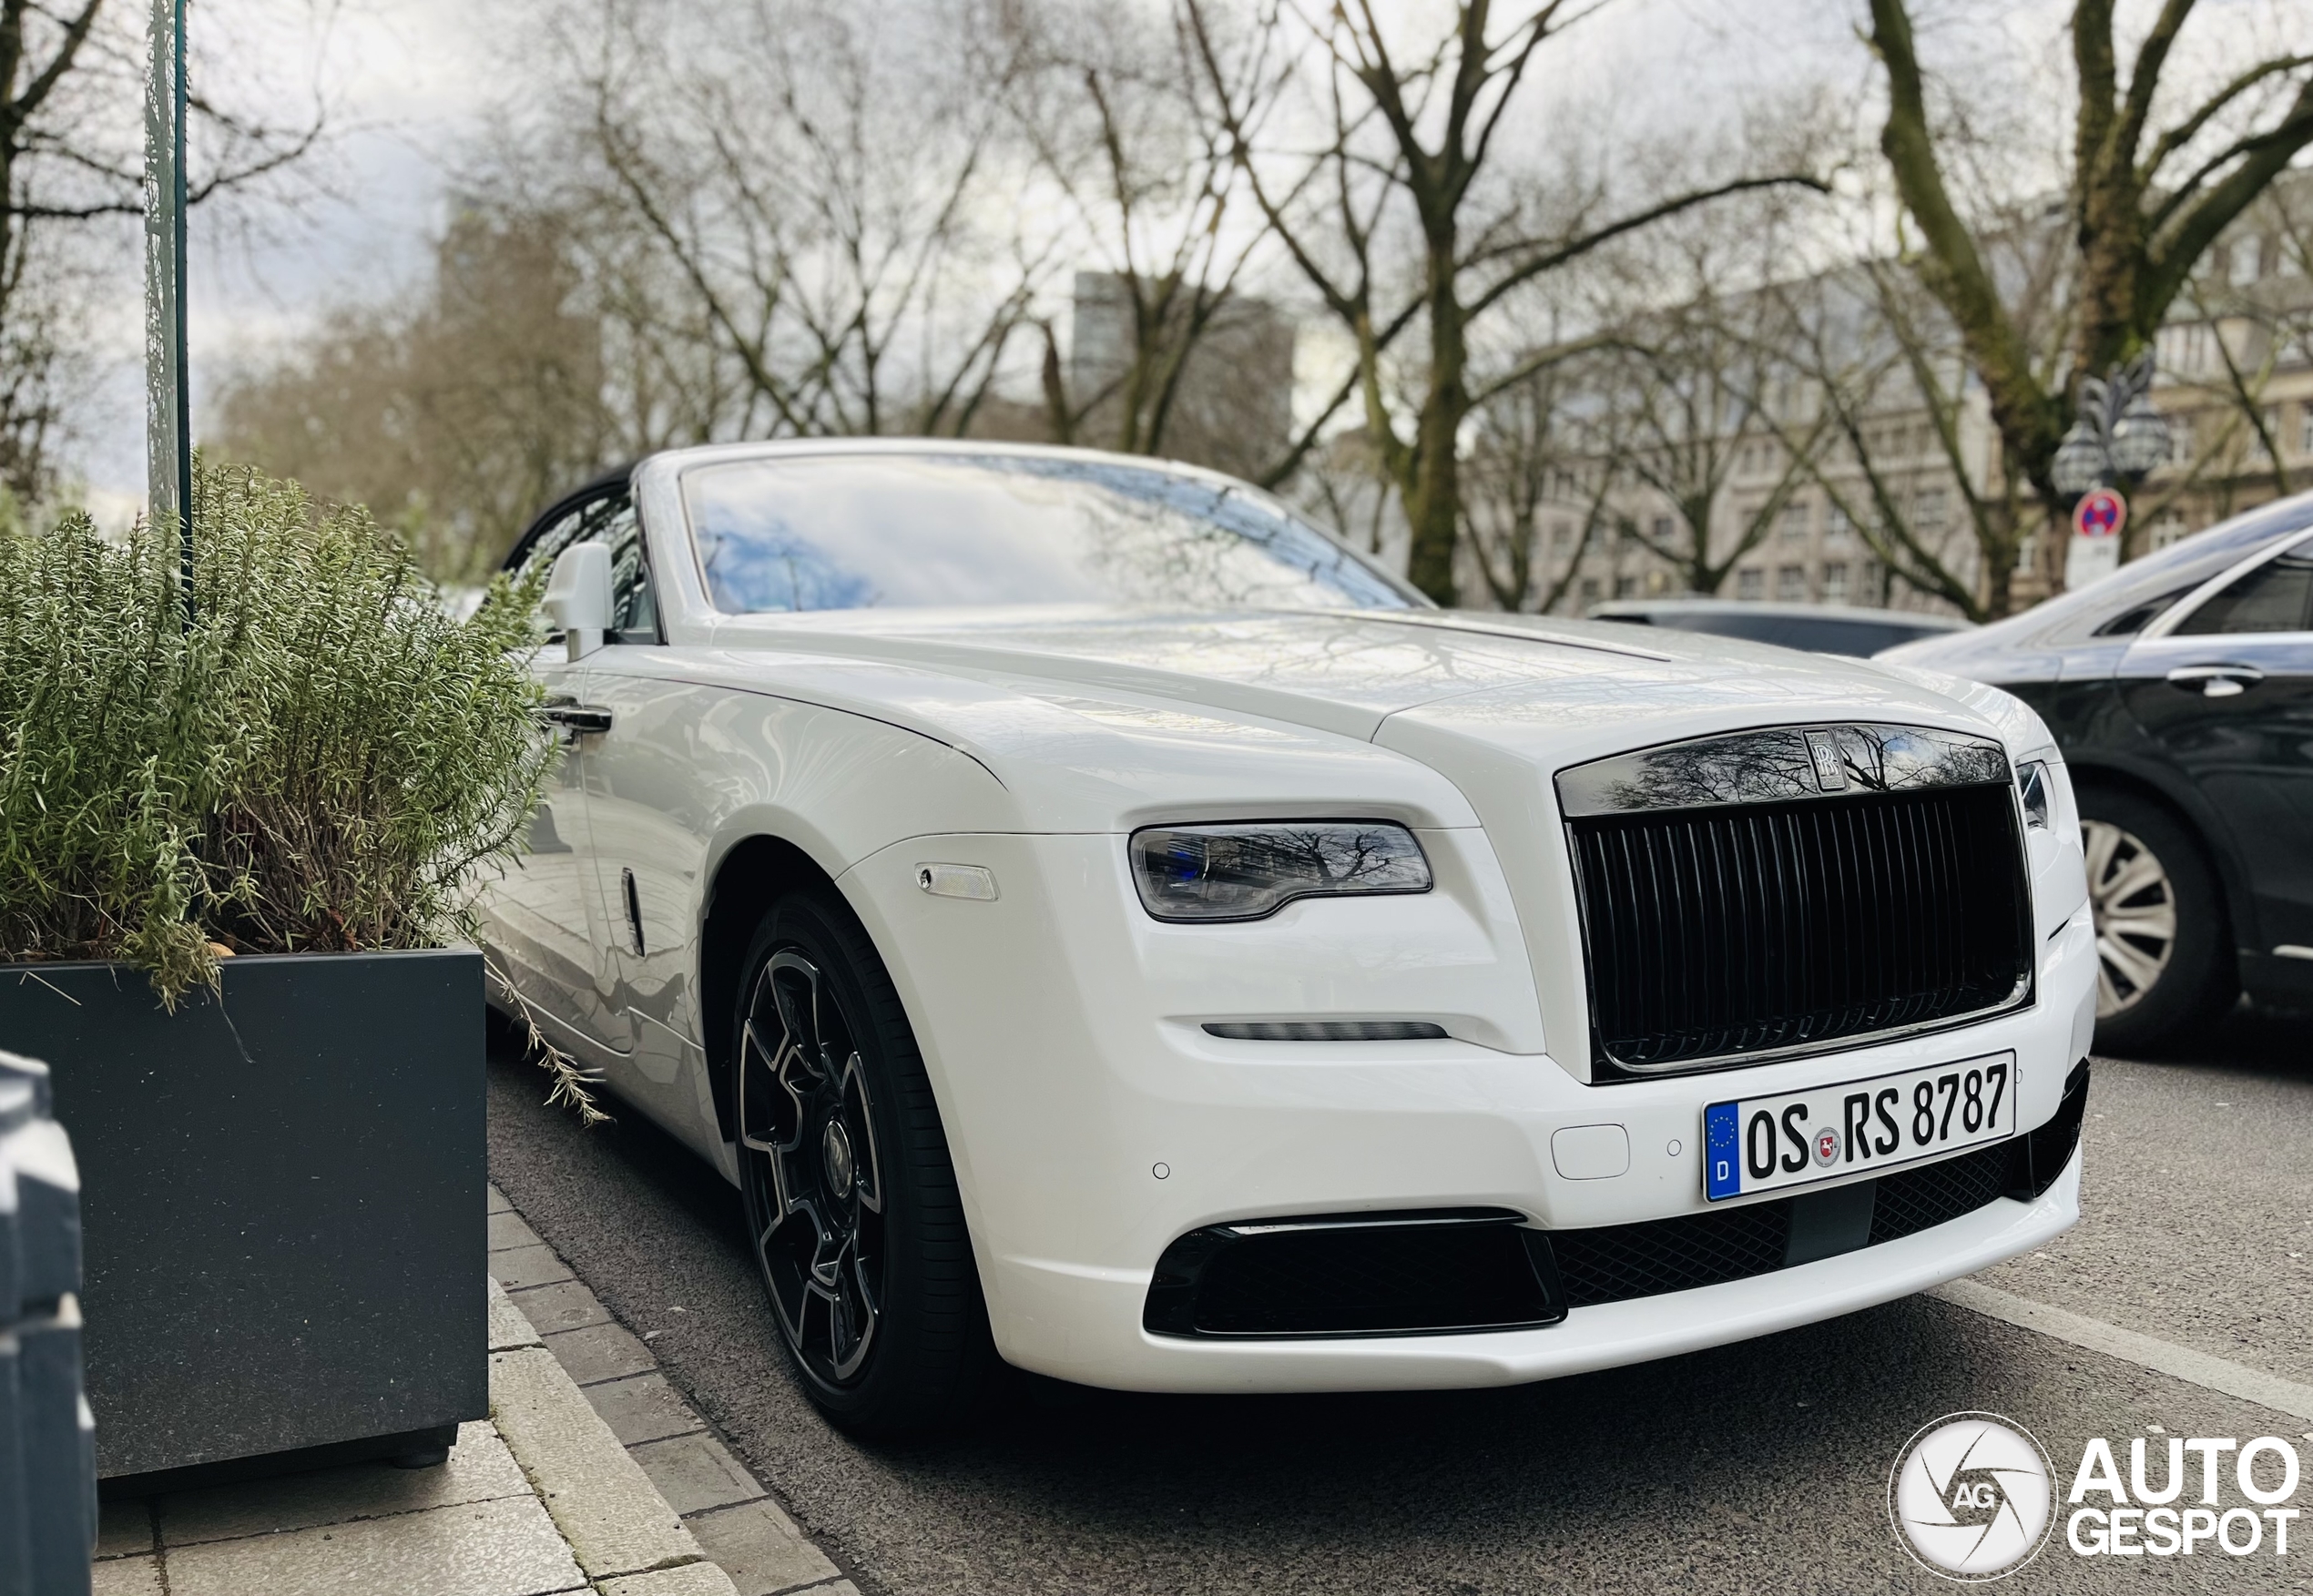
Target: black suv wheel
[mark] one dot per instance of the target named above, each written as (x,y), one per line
(858,1231)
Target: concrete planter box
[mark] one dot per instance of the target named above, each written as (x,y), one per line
(282,1200)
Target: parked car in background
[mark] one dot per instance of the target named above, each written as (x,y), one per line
(1817,628)
(2181,690)
(1098,919)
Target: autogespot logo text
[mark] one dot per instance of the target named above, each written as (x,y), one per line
(2135,1519)
(1970,1497)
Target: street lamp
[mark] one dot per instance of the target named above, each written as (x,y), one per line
(2120,435)
(2140,438)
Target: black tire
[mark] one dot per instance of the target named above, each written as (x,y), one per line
(858,1231)
(2192,979)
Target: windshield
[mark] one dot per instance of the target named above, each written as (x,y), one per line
(856,531)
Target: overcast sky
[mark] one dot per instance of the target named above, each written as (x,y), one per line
(410,84)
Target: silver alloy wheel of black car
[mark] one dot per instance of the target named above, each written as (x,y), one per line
(2134,905)
(812,1172)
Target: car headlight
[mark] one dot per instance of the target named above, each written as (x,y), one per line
(1248,871)
(2031,786)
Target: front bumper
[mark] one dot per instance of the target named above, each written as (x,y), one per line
(1093,1121)
(1109,1347)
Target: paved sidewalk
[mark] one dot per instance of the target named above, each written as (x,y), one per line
(591,1475)
(722,1505)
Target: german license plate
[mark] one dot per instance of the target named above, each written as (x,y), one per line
(1765,1144)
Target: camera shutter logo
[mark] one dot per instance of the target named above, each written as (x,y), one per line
(1970,1497)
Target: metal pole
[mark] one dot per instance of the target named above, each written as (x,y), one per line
(184,373)
(167,413)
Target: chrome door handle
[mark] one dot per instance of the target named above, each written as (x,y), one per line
(2216,681)
(577,719)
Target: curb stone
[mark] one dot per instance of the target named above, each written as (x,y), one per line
(739,1533)
(605,1507)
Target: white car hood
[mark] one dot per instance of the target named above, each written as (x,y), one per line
(1095,719)
(1344,672)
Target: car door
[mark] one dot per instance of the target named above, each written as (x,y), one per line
(543,918)
(2225,691)
(646,818)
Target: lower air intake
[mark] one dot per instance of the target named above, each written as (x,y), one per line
(1354,1274)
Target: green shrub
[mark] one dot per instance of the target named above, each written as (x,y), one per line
(325,759)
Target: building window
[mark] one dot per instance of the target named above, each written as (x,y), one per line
(2305,429)
(1797,518)
(1790,583)
(1663,528)
(2269,426)
(2247,263)
(2167,528)
(2180,440)
(1835,581)
(1837,526)
(1928,508)
(1626,587)
(1590,590)
(1750,585)
(2188,350)
(1562,535)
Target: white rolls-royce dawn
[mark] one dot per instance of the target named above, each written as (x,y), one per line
(1102,923)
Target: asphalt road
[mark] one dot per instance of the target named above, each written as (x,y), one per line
(1756,1467)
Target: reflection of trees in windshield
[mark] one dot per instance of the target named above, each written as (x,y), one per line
(868,531)
(769,568)
(1164,539)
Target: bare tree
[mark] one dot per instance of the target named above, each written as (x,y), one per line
(1701,405)
(1408,151)
(1530,454)
(2250,307)
(815,182)
(2148,194)
(1893,440)
(70,157)
(454,418)
(1115,117)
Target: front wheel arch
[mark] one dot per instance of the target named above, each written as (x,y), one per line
(2198,973)
(2200,823)
(752,875)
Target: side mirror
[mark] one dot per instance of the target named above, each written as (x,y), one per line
(578,596)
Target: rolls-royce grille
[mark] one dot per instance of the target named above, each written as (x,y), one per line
(1726,930)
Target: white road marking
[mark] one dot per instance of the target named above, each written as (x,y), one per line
(2200,1368)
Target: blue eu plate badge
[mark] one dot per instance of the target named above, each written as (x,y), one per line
(1721,1154)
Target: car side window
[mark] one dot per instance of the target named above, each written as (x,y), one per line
(610,520)
(634,609)
(2277,596)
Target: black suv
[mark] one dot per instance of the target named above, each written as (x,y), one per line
(2181,690)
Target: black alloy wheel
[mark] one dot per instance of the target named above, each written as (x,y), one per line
(2164,942)
(852,1204)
